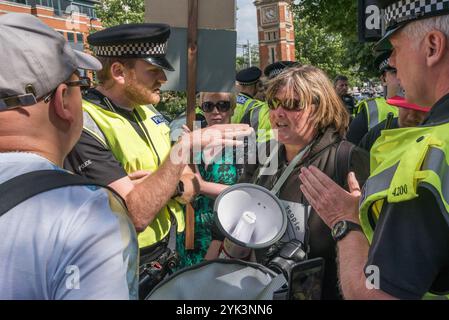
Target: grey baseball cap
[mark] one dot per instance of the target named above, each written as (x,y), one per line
(34,60)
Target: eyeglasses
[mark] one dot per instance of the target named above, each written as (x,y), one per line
(83,82)
(222,106)
(289,104)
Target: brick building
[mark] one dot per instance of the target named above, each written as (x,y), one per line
(73,19)
(276,31)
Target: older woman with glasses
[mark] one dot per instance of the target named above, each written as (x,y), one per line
(214,174)
(310,124)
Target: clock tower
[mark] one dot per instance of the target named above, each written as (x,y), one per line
(276,31)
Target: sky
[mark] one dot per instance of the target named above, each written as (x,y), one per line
(246,22)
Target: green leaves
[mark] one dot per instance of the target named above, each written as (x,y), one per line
(326,36)
(115,12)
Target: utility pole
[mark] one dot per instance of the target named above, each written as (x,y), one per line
(249,54)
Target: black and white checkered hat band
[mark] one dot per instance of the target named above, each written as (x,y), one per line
(275,72)
(383,65)
(406,10)
(132,49)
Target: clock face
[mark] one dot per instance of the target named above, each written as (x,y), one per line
(269,15)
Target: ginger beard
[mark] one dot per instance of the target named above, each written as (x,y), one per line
(141,93)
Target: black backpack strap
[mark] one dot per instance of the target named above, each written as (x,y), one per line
(343,161)
(25,186)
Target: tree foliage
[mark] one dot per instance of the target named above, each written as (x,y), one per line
(316,46)
(326,36)
(115,12)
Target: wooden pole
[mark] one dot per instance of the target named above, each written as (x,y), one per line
(192,50)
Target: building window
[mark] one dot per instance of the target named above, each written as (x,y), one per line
(20,1)
(62,7)
(70,37)
(272,55)
(79,37)
(45,3)
(271,35)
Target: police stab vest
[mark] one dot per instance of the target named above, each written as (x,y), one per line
(377,110)
(401,161)
(135,153)
(256,114)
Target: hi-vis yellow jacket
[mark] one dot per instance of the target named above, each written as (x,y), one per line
(135,153)
(377,110)
(401,161)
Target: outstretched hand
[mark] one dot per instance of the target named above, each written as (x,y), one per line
(330,201)
(211,139)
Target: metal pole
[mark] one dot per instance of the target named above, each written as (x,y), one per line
(249,54)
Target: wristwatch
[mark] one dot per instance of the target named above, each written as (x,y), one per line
(343,227)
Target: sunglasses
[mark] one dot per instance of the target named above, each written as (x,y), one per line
(290,104)
(83,82)
(222,106)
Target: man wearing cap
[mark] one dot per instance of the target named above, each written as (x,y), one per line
(73,242)
(249,110)
(410,115)
(375,110)
(403,249)
(125,143)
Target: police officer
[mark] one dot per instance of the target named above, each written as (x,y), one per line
(248,109)
(272,70)
(401,244)
(375,110)
(410,115)
(125,143)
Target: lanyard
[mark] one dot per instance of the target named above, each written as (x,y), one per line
(291,166)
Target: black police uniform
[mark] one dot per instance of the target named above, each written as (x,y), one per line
(96,161)
(411,239)
(359,126)
(411,243)
(371,136)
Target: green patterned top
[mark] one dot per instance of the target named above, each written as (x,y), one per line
(223,172)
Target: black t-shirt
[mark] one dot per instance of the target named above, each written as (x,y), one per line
(411,239)
(89,157)
(349,103)
(358,127)
(371,136)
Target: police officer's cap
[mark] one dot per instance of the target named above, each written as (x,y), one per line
(249,76)
(147,41)
(398,13)
(272,70)
(382,62)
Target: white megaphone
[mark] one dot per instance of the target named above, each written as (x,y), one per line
(250,217)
